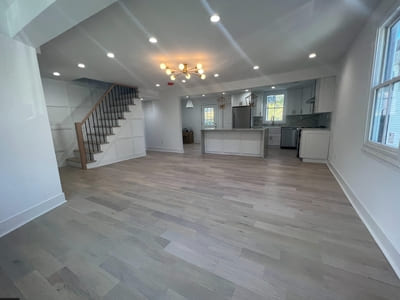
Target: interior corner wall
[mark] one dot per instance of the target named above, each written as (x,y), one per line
(163,124)
(371,184)
(68,102)
(30,183)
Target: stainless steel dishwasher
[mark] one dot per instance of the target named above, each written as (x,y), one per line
(289,137)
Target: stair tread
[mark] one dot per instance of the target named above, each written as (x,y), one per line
(89,152)
(116,112)
(95,143)
(94,134)
(121,105)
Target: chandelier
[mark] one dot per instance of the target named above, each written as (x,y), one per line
(184,70)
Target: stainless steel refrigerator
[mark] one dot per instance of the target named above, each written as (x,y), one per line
(241,117)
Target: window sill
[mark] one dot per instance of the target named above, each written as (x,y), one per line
(386,154)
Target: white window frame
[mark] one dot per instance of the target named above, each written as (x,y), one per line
(381,151)
(215,106)
(278,92)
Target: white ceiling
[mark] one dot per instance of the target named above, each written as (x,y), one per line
(276,35)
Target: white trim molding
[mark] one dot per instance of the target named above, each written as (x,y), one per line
(387,247)
(20,219)
(159,149)
(377,81)
(382,152)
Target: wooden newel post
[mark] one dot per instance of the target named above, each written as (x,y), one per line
(81,145)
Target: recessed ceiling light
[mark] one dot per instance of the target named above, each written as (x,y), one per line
(82,66)
(141,99)
(203,95)
(56,74)
(215,18)
(246,90)
(216,75)
(157,84)
(153,40)
(110,55)
(312,55)
(187,97)
(273,87)
(223,93)
(256,67)
(183,80)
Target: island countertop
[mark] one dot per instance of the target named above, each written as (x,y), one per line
(234,129)
(236,141)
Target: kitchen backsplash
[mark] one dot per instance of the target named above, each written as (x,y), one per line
(311,120)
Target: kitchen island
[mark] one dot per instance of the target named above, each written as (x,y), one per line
(246,141)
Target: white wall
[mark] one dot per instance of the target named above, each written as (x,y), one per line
(127,142)
(191,117)
(163,123)
(68,102)
(372,185)
(29,179)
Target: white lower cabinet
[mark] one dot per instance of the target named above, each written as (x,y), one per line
(247,142)
(314,145)
(274,136)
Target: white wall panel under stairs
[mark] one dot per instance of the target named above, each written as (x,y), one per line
(126,142)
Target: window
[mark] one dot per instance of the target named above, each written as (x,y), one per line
(208,117)
(274,108)
(384,122)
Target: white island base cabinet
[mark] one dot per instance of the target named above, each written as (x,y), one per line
(314,145)
(246,142)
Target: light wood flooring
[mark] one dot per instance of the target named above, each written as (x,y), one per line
(187,226)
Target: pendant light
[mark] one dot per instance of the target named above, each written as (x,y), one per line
(189,104)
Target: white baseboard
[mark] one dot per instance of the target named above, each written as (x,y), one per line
(159,149)
(103,163)
(390,252)
(29,214)
(314,161)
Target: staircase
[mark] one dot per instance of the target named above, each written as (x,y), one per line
(101,123)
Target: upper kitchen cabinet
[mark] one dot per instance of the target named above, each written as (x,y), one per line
(300,97)
(243,99)
(325,94)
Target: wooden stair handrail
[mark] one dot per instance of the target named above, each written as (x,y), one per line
(98,103)
(102,99)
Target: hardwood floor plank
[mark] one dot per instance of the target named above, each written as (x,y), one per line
(35,286)
(192,226)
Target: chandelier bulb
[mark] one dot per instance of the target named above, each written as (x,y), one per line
(203,76)
(163,66)
(168,71)
(181,66)
(187,76)
(172,77)
(199,66)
